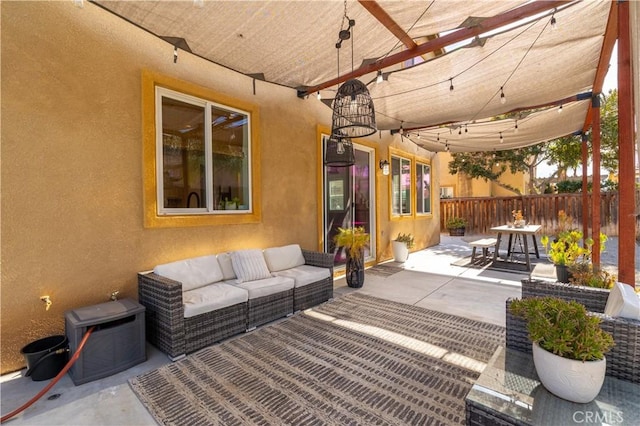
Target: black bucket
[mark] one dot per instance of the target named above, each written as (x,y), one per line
(46,357)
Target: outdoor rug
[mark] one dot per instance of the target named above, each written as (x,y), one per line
(357,360)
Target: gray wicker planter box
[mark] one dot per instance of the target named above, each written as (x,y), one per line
(623,361)
(594,299)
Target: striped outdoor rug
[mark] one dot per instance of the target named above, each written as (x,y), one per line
(357,360)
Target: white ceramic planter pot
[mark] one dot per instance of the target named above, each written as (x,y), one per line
(569,379)
(400,251)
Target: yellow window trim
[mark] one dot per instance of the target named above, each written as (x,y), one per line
(150,80)
(394,152)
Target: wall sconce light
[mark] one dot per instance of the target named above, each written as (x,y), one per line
(384,166)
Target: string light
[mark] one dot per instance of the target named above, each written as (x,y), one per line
(466,129)
(515,130)
(451,85)
(319,96)
(379,78)
(460,130)
(401,129)
(554,24)
(438,138)
(501,138)
(503,99)
(175,54)
(560,109)
(446,147)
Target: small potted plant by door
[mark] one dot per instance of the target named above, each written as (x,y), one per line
(354,240)
(401,246)
(568,346)
(456,226)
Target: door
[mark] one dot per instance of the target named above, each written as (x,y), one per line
(349,194)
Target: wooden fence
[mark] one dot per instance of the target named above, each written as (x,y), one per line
(484,213)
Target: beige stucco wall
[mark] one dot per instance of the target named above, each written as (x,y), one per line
(72,169)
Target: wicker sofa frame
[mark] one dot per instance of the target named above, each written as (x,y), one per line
(169,331)
(623,361)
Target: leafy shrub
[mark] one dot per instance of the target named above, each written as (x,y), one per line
(563,328)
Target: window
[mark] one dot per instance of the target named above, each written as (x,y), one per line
(423,188)
(203,156)
(446,192)
(401,186)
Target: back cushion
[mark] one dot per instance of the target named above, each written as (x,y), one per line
(249,265)
(623,302)
(192,273)
(286,257)
(224,259)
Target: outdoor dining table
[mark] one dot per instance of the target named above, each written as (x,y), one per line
(517,236)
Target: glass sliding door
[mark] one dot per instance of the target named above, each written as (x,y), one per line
(348,199)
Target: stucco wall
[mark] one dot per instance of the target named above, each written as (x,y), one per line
(72,170)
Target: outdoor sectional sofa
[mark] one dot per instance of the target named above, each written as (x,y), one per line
(193,303)
(623,361)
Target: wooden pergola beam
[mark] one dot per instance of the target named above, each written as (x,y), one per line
(383,17)
(486,25)
(626,178)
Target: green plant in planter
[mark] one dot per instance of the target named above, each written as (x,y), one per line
(456,223)
(566,249)
(563,328)
(354,240)
(405,238)
(584,274)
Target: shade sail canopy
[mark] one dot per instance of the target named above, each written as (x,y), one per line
(292,43)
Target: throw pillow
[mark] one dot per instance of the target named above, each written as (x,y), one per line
(623,302)
(227,267)
(249,265)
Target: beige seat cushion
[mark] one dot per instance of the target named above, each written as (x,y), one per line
(211,298)
(305,274)
(266,287)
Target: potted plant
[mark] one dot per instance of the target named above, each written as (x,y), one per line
(568,346)
(401,246)
(354,240)
(584,274)
(456,226)
(565,251)
(518,219)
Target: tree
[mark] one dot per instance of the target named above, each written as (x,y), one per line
(491,165)
(609,131)
(566,152)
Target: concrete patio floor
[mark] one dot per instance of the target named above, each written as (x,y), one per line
(427,280)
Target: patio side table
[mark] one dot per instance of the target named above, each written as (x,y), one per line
(508,392)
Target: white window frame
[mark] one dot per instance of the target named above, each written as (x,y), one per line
(396,186)
(419,206)
(210,208)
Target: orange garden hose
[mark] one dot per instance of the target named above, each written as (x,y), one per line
(55,380)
